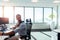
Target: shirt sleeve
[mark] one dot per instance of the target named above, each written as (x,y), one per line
(21,27)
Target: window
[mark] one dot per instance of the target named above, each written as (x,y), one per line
(47,14)
(19,10)
(55,16)
(0,11)
(38,15)
(8,12)
(59,16)
(29,13)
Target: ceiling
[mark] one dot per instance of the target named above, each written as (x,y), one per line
(29,3)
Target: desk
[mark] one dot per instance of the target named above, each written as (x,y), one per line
(5,36)
(56,34)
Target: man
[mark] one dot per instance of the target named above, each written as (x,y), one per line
(19,28)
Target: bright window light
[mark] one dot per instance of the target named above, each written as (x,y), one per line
(47,15)
(34,0)
(5,0)
(38,15)
(57,1)
(8,12)
(0,11)
(29,13)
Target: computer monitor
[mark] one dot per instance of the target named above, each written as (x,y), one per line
(4,20)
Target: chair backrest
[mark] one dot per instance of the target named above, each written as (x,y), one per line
(28,25)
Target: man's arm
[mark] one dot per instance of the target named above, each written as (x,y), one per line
(16,26)
(9,33)
(14,31)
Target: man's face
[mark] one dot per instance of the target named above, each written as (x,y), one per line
(18,17)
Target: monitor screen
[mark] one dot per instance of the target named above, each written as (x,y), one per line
(4,20)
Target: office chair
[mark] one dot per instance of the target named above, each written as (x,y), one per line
(28,30)
(29,26)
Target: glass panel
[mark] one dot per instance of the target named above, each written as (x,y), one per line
(0,11)
(29,13)
(19,10)
(8,12)
(55,16)
(59,16)
(38,15)
(47,14)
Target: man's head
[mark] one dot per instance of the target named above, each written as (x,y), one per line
(18,17)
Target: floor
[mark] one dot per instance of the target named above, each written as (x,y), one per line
(36,35)
(41,36)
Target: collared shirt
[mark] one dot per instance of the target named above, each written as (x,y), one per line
(21,29)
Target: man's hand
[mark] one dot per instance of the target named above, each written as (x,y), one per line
(1,33)
(14,27)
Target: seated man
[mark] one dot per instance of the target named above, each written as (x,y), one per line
(19,28)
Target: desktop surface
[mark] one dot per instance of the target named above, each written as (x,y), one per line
(57,30)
